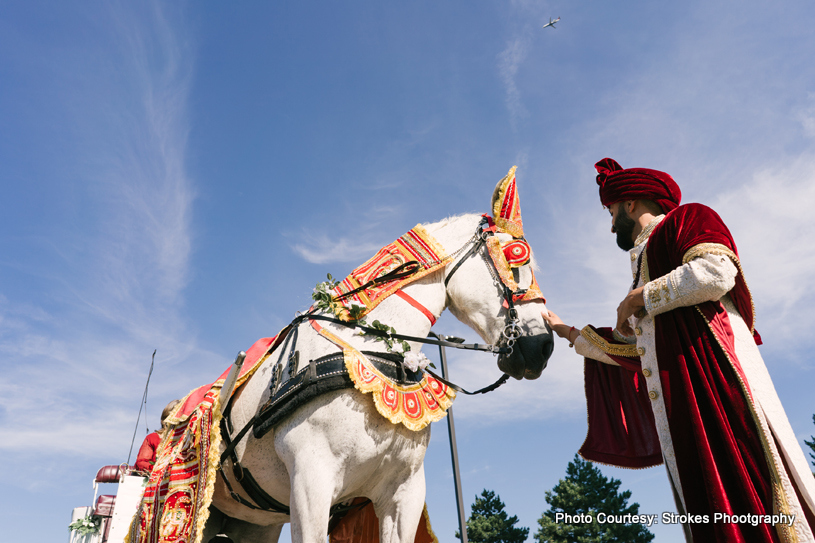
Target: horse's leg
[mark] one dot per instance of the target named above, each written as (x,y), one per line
(399,510)
(313,471)
(311,497)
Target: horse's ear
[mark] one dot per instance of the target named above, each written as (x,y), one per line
(506,208)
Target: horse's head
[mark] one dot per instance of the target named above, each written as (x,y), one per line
(493,288)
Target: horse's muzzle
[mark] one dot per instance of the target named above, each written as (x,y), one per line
(529,357)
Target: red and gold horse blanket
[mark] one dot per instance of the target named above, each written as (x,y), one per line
(175,505)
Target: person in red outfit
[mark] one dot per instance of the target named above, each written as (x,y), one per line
(147,452)
(680,379)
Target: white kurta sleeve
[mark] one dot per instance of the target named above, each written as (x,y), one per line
(587,349)
(706,278)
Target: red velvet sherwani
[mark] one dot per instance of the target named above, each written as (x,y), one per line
(692,391)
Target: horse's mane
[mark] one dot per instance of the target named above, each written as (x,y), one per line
(436,226)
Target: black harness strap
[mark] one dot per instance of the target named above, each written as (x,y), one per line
(325,373)
(501,380)
(475,247)
(380,333)
(400,272)
(263,500)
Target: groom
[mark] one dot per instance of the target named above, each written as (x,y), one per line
(680,379)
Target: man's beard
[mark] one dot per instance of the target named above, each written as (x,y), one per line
(624,227)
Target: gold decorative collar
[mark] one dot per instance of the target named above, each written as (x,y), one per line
(646,232)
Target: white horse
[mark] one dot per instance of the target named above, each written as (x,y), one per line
(337,446)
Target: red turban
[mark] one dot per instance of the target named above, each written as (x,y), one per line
(617,185)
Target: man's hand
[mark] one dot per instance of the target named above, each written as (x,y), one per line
(558,327)
(630,305)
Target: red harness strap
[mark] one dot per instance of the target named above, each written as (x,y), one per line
(430,316)
(315,325)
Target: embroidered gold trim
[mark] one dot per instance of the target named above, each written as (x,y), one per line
(718,249)
(416,244)
(443,398)
(513,224)
(658,294)
(501,264)
(430,531)
(617,350)
(646,232)
(780,502)
(204,481)
(708,248)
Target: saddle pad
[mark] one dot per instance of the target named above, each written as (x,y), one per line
(176,500)
(412,405)
(323,375)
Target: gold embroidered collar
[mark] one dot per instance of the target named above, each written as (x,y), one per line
(646,232)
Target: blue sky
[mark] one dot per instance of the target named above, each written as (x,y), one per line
(177,176)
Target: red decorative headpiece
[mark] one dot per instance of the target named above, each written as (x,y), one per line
(617,185)
(505,206)
(506,211)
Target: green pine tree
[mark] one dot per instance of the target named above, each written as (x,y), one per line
(811,445)
(585,490)
(489,523)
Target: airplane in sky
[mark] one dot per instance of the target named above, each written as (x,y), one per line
(551,22)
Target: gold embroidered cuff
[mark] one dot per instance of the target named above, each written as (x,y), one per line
(657,293)
(629,350)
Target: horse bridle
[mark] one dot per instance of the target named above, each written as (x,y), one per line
(512,328)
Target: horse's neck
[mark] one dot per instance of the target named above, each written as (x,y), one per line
(428,292)
(396,312)
(403,314)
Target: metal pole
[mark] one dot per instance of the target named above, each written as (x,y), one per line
(143,402)
(451,431)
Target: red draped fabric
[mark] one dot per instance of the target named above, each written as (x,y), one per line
(621,422)
(362,526)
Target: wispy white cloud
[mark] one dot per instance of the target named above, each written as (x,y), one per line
(509,62)
(321,248)
(79,351)
(807,116)
(771,218)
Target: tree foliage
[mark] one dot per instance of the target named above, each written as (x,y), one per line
(586,491)
(489,522)
(811,445)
